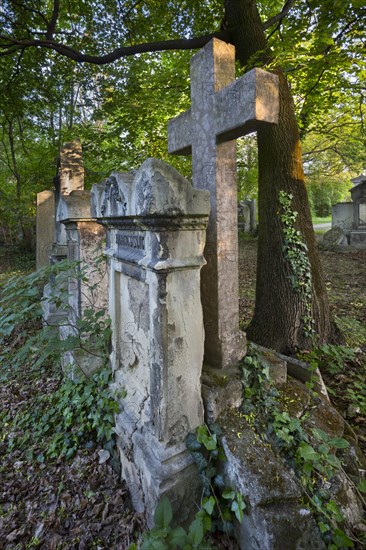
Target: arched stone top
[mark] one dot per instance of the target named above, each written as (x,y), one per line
(155,189)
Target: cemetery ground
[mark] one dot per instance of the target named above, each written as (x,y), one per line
(79,503)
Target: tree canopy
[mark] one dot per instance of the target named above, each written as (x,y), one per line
(113,73)
(76,69)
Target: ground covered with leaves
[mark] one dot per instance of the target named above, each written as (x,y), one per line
(80,503)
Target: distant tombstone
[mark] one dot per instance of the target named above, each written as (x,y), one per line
(335,236)
(156,226)
(358,194)
(70,178)
(351,216)
(247,215)
(343,216)
(222,110)
(85,240)
(45,227)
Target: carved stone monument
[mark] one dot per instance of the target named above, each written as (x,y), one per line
(156,226)
(350,217)
(222,110)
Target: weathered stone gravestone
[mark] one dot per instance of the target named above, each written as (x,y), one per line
(222,110)
(85,240)
(45,227)
(351,216)
(247,215)
(70,178)
(358,194)
(77,238)
(156,227)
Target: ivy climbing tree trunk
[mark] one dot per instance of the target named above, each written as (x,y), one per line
(279,320)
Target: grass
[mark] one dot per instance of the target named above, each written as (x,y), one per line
(317,219)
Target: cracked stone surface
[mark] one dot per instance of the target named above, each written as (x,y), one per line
(222,110)
(156,227)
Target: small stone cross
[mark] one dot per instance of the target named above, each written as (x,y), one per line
(222,110)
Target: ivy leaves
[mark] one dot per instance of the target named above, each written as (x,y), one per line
(295,252)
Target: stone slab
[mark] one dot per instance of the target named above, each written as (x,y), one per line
(45,227)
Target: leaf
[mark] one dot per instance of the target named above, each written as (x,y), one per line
(334,509)
(228,494)
(362,486)
(237,507)
(192,443)
(307,452)
(195,533)
(339,443)
(177,538)
(341,540)
(163,514)
(320,434)
(208,505)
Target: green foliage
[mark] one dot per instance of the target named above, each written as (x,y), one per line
(81,411)
(353,330)
(329,358)
(295,252)
(26,340)
(220,504)
(79,414)
(314,456)
(356,393)
(165,537)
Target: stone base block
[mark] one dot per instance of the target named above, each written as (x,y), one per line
(358,239)
(221,389)
(152,470)
(275,518)
(287,526)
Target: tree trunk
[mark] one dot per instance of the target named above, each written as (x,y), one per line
(280,310)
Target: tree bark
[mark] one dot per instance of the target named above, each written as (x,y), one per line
(278,320)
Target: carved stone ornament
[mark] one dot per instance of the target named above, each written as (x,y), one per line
(112,195)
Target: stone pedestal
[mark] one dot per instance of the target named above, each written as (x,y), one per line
(156,227)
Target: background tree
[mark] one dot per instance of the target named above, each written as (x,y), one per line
(312,46)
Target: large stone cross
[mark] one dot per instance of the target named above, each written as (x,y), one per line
(222,110)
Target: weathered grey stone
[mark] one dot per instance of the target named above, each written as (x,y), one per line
(156,227)
(222,110)
(351,217)
(70,178)
(252,467)
(294,367)
(335,236)
(85,242)
(342,216)
(221,390)
(71,169)
(247,215)
(45,227)
(275,517)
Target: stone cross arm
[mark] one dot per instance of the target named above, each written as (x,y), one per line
(238,109)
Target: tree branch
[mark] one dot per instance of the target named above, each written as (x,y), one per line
(278,18)
(51,27)
(11,44)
